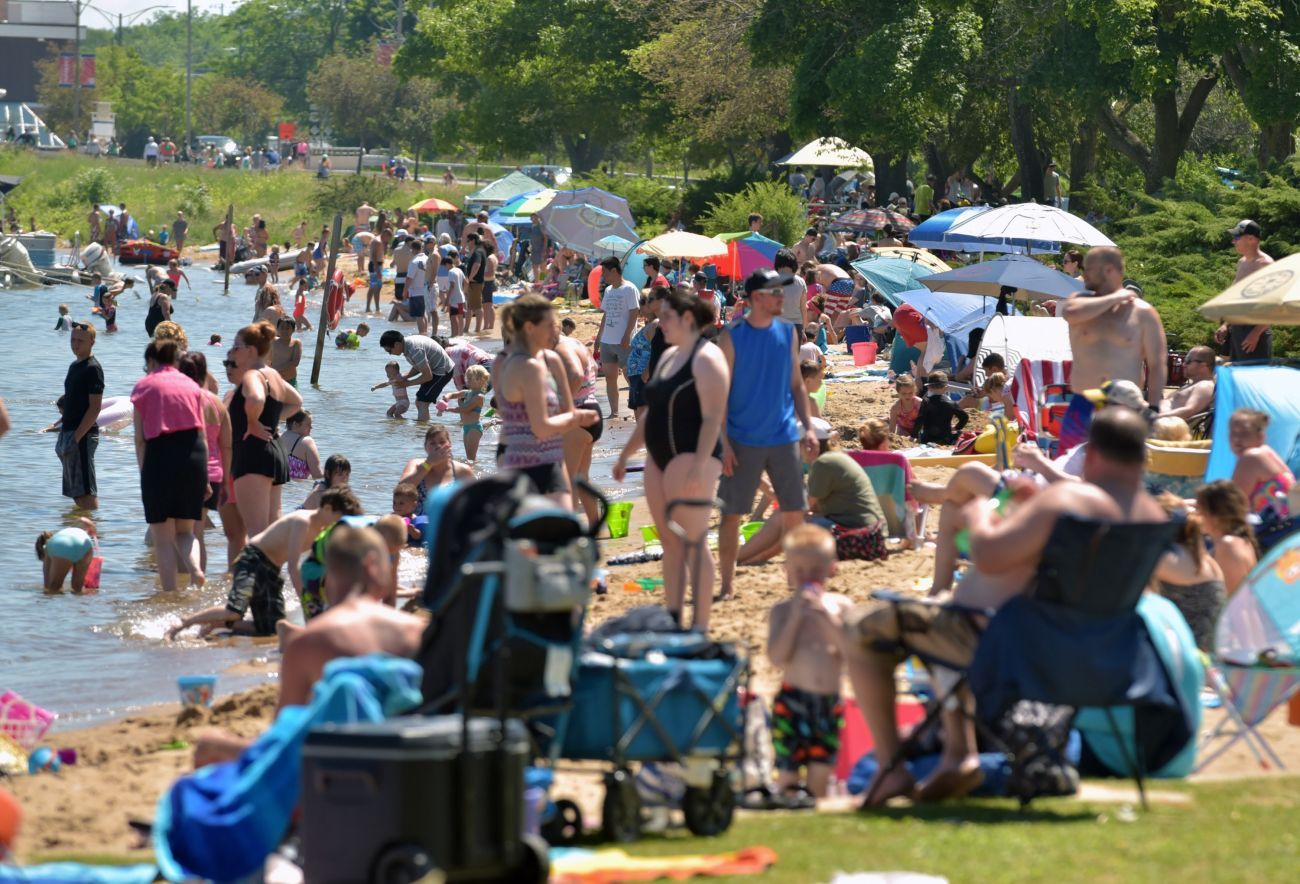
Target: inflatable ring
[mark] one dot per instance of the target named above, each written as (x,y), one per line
(334,299)
(593,286)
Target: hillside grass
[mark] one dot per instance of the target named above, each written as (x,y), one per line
(54,186)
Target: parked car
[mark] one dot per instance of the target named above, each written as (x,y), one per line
(552,175)
(223,143)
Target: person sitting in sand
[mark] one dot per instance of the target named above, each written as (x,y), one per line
(803,642)
(991,394)
(256,582)
(68,550)
(905,410)
(939,420)
(401,399)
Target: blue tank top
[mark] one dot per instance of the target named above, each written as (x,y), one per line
(760,408)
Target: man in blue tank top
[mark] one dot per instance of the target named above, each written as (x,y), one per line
(768,417)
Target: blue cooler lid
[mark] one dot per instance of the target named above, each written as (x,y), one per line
(432,735)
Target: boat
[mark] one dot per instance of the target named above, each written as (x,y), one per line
(143,251)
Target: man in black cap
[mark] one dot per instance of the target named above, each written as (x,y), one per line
(1246,341)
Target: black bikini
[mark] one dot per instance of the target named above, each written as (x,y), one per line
(673,416)
(252,456)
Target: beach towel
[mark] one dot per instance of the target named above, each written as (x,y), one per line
(79,873)
(221,822)
(1031,376)
(577,866)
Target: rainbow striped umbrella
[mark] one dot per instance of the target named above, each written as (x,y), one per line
(746,252)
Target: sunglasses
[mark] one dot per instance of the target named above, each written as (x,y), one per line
(228,363)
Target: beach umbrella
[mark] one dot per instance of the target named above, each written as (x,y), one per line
(935,232)
(1030,278)
(873,219)
(891,276)
(580,226)
(590,196)
(684,244)
(495,217)
(920,256)
(1027,222)
(505,238)
(431,205)
(526,205)
(613,245)
(1269,296)
(747,252)
(950,313)
(829,152)
(504,189)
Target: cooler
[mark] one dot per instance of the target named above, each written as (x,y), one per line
(377,796)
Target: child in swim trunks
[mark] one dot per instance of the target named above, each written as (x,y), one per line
(347,339)
(471,407)
(68,550)
(401,400)
(803,642)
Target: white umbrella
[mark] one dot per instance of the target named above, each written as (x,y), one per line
(613,245)
(1029,277)
(829,152)
(1028,222)
(1270,296)
(683,244)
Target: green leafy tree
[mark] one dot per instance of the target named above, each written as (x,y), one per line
(161,39)
(355,93)
(242,109)
(1264,67)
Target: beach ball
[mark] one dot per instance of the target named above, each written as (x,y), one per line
(593,286)
(11,817)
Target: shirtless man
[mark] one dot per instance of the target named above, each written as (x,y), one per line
(402,255)
(375,268)
(364,211)
(255,579)
(93,220)
(361,246)
(298,233)
(286,350)
(1005,553)
(480,226)
(805,250)
(1246,341)
(1197,395)
(1114,335)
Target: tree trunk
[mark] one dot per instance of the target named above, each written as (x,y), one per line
(1083,165)
(936,163)
(1026,146)
(891,176)
(1276,143)
(1173,130)
(584,155)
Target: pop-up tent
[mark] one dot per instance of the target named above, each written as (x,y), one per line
(1272,389)
(501,191)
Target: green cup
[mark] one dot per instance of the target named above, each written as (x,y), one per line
(749,529)
(617,519)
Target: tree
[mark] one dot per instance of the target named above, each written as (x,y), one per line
(355,95)
(161,40)
(234,107)
(530,73)
(1264,67)
(423,119)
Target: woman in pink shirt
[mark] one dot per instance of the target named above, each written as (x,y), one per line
(172,453)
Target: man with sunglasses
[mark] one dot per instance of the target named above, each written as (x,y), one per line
(1243,342)
(1197,395)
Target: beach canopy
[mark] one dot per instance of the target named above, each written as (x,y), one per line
(1033,338)
(524,206)
(829,152)
(746,252)
(591,196)
(579,226)
(1026,222)
(1030,278)
(935,232)
(1269,296)
(1272,389)
(504,189)
(433,204)
(684,244)
(951,314)
(890,276)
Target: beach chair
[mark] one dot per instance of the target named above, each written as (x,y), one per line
(1032,384)
(890,473)
(1256,666)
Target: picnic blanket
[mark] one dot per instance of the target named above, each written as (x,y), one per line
(578,866)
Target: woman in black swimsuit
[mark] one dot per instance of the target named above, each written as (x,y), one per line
(261,400)
(160,305)
(686,400)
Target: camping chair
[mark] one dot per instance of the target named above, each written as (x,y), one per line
(1257,656)
(1033,385)
(890,473)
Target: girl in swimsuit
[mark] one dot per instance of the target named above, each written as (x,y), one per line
(160,306)
(261,399)
(300,448)
(903,414)
(470,409)
(686,399)
(337,473)
(436,467)
(1190,578)
(533,399)
(1260,473)
(1222,508)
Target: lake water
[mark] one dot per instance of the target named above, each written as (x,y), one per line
(94,656)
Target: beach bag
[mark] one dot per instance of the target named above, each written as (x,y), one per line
(867,544)
(965,442)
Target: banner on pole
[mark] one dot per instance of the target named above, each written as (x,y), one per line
(287,131)
(88,71)
(67,68)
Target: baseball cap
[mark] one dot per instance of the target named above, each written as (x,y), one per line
(762,279)
(700,276)
(1119,392)
(1133,286)
(822,428)
(1246,227)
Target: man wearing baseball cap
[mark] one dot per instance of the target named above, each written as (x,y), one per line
(768,417)
(1246,341)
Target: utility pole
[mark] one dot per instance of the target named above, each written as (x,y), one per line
(323,324)
(76,66)
(119,29)
(189,75)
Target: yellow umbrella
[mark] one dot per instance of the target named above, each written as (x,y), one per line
(534,203)
(921,256)
(1270,296)
(682,244)
(432,204)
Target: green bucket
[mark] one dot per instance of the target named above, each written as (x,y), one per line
(617,519)
(749,529)
(649,534)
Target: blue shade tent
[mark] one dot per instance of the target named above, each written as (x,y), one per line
(892,276)
(933,233)
(948,312)
(505,239)
(1274,389)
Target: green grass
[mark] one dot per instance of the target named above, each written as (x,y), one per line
(1229,831)
(153,196)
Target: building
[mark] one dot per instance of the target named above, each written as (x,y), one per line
(27,30)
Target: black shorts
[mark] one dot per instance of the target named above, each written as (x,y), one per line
(399,286)
(547,478)
(597,429)
(255,583)
(174,477)
(430,390)
(78,460)
(255,457)
(635,391)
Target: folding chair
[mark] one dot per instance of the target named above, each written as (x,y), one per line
(1249,695)
(890,473)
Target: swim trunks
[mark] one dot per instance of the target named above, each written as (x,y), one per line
(256,583)
(805,727)
(78,459)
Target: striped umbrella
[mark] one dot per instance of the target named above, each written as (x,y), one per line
(873,219)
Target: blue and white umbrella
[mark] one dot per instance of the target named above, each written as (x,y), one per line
(580,226)
(936,232)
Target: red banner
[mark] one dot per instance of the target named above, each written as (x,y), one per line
(88,71)
(287,131)
(384,54)
(67,68)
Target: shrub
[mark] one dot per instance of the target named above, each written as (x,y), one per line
(784,214)
(94,185)
(343,193)
(193,198)
(703,193)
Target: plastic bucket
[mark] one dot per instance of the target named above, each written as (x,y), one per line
(197,690)
(620,514)
(649,534)
(864,353)
(749,529)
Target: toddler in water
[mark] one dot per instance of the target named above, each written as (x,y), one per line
(471,407)
(175,274)
(300,320)
(812,373)
(405,501)
(338,472)
(214,341)
(64,322)
(347,339)
(903,414)
(69,550)
(803,641)
(273,264)
(401,401)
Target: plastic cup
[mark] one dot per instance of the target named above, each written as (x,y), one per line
(617,519)
(749,529)
(197,690)
(649,534)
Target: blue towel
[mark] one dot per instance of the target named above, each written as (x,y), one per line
(79,873)
(220,823)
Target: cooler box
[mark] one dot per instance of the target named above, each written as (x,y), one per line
(373,792)
(855,334)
